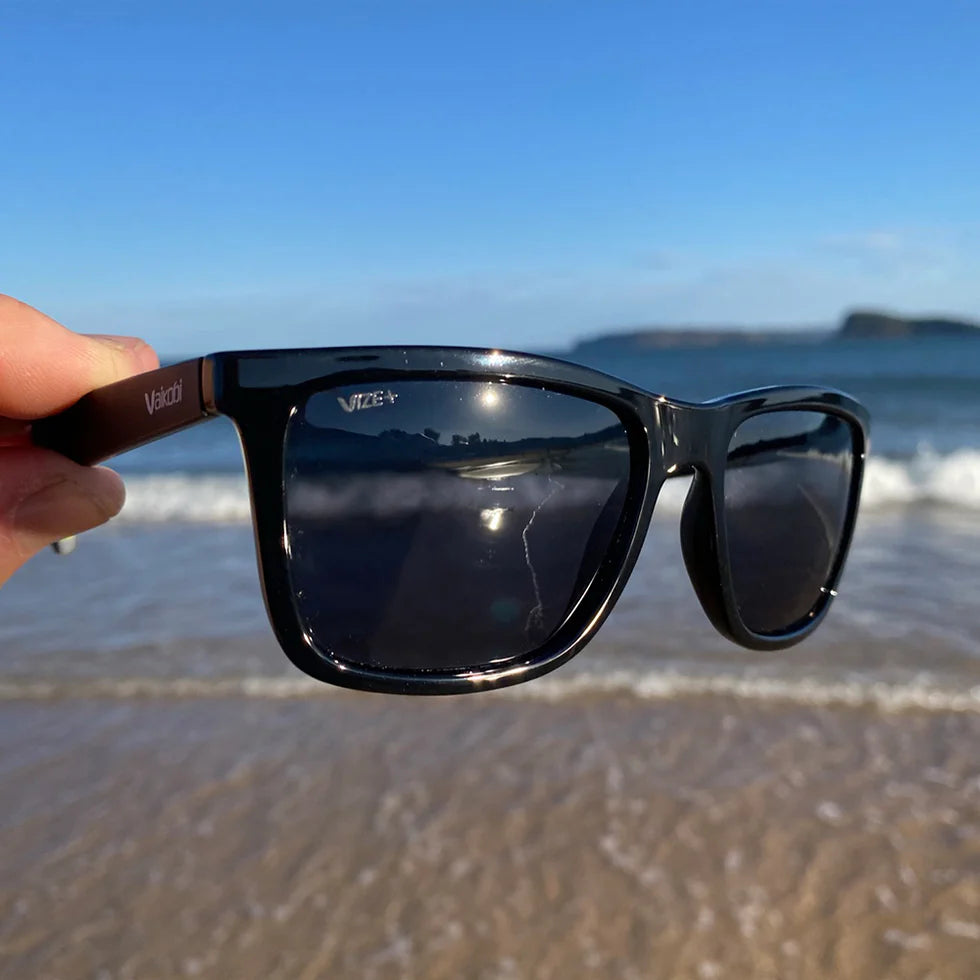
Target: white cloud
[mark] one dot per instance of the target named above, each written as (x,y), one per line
(898,251)
(906,270)
(866,242)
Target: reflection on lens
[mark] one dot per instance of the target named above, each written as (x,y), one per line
(787,487)
(493,518)
(490,397)
(447,524)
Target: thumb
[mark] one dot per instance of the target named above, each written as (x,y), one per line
(45,497)
(45,368)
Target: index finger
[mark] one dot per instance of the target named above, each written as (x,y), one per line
(45,367)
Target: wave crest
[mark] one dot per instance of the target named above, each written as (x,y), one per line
(951,480)
(186,498)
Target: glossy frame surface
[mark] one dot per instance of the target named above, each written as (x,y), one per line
(259,390)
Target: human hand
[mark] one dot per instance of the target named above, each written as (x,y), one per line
(44,368)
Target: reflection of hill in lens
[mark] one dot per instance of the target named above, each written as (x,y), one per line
(396,449)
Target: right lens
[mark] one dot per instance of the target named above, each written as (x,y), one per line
(787,489)
(438,524)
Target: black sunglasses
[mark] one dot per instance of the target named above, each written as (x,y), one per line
(441,520)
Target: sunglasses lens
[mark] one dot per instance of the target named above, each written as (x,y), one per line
(437,525)
(787,491)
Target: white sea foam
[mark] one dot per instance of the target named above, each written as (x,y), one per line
(951,480)
(210,499)
(648,685)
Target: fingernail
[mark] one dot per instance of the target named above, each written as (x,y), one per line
(129,344)
(139,351)
(69,507)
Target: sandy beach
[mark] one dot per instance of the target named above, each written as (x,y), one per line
(492,836)
(177,801)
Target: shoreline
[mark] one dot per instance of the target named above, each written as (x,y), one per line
(663,683)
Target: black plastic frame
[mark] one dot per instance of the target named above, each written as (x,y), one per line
(259,390)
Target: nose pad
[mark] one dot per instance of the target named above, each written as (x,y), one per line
(699,545)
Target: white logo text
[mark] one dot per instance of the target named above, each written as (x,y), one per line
(367,399)
(164,397)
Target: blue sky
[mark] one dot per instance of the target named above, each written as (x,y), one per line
(496,173)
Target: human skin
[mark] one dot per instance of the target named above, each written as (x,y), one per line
(44,368)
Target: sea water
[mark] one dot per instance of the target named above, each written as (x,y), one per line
(166,598)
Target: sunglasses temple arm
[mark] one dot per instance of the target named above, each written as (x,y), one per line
(127,414)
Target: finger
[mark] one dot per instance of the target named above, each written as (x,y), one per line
(45,497)
(44,367)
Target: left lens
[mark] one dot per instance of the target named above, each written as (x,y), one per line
(437,524)
(788,483)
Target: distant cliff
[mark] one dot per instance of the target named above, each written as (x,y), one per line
(657,338)
(864,324)
(858,325)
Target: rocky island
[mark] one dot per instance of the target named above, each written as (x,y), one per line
(856,325)
(862,325)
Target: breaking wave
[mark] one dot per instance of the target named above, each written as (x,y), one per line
(190,499)
(951,480)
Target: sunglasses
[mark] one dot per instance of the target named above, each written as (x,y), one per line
(442,520)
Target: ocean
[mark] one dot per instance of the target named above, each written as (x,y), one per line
(168,592)
(180,801)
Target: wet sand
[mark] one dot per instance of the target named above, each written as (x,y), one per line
(361,836)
